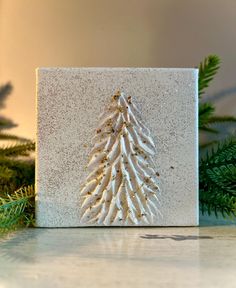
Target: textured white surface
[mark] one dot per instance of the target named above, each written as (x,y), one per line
(69,102)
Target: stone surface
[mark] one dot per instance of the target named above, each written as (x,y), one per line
(69,101)
(194,257)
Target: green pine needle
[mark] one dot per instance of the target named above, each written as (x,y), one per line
(207,118)
(224,177)
(5,136)
(13,207)
(208,129)
(219,204)
(225,152)
(217,179)
(23,173)
(5,173)
(221,119)
(17,150)
(206,110)
(207,70)
(16,208)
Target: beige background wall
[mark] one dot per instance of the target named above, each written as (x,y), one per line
(155,33)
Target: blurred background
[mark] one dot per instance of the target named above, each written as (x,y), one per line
(137,33)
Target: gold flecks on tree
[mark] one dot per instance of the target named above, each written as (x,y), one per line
(122,187)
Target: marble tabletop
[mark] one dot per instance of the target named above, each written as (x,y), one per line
(120,257)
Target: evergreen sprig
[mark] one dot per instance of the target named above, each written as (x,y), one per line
(218,179)
(207,70)
(17,150)
(219,204)
(16,203)
(13,208)
(217,168)
(206,110)
(18,173)
(5,136)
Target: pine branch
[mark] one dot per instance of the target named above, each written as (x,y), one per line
(15,174)
(207,118)
(12,207)
(17,150)
(224,153)
(217,204)
(208,129)
(217,179)
(4,136)
(224,177)
(6,123)
(5,174)
(5,90)
(207,70)
(221,119)
(206,111)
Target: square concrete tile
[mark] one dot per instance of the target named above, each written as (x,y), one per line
(135,165)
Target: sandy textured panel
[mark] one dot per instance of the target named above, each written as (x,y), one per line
(69,104)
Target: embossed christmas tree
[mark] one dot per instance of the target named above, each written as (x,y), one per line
(122,187)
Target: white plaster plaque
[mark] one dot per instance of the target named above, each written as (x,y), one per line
(117,147)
